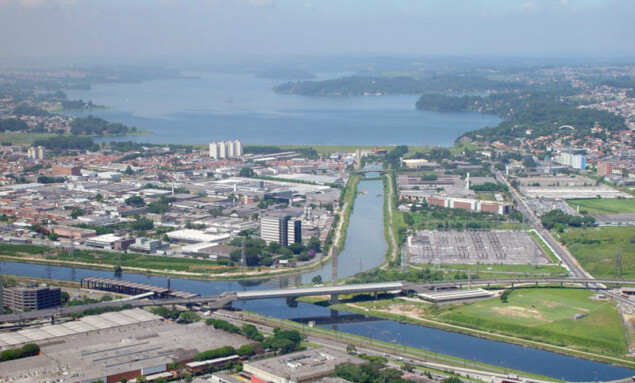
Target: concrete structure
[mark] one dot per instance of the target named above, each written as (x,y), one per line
(469,247)
(196,236)
(66,171)
(604,169)
(36,153)
(72,232)
(109,241)
(146,245)
(31,298)
(471,204)
(299,367)
(451,296)
(226,149)
(283,228)
(132,288)
(108,347)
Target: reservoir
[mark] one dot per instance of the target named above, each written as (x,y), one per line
(222,106)
(365,249)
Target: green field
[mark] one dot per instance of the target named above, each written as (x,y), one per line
(545,315)
(604,205)
(23,138)
(595,249)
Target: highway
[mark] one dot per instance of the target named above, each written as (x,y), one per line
(226,298)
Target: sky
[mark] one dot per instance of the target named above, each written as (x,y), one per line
(44,29)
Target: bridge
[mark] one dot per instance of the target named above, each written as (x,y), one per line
(380,171)
(226,298)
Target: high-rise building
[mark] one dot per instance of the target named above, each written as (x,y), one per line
(576,161)
(36,153)
(32,298)
(284,229)
(1,300)
(226,149)
(604,169)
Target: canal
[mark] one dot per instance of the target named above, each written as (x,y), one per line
(365,249)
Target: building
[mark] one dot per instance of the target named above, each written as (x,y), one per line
(109,347)
(66,171)
(284,228)
(604,169)
(576,161)
(36,153)
(298,367)
(72,232)
(1,298)
(226,149)
(32,298)
(145,245)
(109,241)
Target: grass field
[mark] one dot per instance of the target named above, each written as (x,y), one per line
(604,205)
(537,314)
(545,315)
(595,249)
(23,138)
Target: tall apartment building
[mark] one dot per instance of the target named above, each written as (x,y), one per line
(36,153)
(604,169)
(284,229)
(32,298)
(576,161)
(226,149)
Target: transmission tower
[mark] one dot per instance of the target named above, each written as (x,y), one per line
(618,263)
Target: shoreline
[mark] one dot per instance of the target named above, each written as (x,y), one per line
(484,334)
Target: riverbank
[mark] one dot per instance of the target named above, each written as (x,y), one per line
(392,253)
(29,138)
(413,312)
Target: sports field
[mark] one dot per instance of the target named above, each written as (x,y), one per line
(547,315)
(604,205)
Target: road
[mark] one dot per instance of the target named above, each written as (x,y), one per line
(569,261)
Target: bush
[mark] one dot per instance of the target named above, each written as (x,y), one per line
(220,352)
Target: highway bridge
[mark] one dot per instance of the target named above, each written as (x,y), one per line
(226,298)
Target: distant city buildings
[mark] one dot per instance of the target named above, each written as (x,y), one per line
(604,169)
(226,149)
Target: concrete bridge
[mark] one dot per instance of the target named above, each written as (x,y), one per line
(226,298)
(380,171)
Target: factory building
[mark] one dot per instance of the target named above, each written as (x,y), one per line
(31,298)
(109,347)
(298,367)
(226,149)
(284,228)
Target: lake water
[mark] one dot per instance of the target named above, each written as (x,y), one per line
(220,106)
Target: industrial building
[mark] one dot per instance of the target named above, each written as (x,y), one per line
(31,298)
(471,204)
(108,347)
(226,149)
(284,228)
(298,367)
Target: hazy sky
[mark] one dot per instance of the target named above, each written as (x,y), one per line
(191,28)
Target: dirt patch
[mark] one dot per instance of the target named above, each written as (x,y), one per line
(519,312)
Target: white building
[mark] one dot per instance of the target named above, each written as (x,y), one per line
(36,153)
(284,229)
(226,149)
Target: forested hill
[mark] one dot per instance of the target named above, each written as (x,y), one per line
(541,112)
(364,85)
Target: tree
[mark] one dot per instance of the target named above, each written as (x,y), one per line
(246,172)
(246,350)
(135,201)
(129,171)
(351,349)
(316,280)
(188,317)
(314,244)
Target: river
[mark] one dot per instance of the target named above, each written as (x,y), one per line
(365,249)
(221,106)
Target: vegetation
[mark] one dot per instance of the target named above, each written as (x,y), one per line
(604,205)
(545,315)
(361,85)
(596,249)
(59,143)
(29,349)
(559,220)
(96,126)
(220,352)
(374,372)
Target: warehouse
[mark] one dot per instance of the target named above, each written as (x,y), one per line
(112,346)
(298,367)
